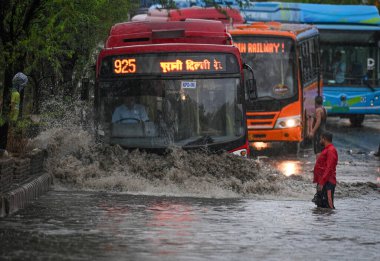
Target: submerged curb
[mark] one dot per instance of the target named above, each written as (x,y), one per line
(22,180)
(18,198)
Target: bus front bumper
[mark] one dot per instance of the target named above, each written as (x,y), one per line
(283,135)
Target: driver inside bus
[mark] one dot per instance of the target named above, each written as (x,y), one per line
(338,67)
(129,112)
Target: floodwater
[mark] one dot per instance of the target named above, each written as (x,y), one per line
(66,225)
(111,204)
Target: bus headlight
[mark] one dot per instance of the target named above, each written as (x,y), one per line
(288,122)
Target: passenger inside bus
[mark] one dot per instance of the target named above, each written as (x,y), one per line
(338,67)
(129,112)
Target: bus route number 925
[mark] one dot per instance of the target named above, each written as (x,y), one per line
(124,66)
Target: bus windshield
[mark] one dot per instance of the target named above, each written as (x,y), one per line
(349,58)
(157,112)
(272,60)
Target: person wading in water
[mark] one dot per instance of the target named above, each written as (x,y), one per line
(325,172)
(319,126)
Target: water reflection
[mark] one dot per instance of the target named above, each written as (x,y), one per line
(127,227)
(170,226)
(289,167)
(112,216)
(111,222)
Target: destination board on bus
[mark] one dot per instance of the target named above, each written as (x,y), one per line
(169,63)
(262,45)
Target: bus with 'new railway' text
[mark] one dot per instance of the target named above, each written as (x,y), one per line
(162,84)
(350,51)
(285,61)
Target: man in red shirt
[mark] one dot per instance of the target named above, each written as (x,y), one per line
(325,172)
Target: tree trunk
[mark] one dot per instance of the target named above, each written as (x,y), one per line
(8,74)
(68,81)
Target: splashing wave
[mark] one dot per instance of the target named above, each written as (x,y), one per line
(78,162)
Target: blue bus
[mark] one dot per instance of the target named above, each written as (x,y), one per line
(350,56)
(189,3)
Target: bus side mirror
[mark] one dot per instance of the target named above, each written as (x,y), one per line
(250,83)
(252,89)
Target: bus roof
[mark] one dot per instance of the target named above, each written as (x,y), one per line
(170,48)
(224,14)
(156,32)
(345,27)
(312,13)
(295,31)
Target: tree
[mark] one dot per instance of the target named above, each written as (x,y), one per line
(52,39)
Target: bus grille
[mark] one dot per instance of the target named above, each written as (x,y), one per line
(261,120)
(262,116)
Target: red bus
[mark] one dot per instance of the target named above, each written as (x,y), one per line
(162,84)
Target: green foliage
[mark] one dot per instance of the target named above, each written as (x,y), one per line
(21,126)
(52,42)
(40,35)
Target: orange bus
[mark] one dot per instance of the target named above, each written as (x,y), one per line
(285,61)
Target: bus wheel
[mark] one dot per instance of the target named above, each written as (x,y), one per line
(357,120)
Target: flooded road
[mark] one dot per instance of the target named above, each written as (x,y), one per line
(360,140)
(109,204)
(66,225)
(355,146)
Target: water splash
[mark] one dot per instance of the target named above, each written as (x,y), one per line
(78,162)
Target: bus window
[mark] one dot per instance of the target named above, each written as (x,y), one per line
(351,56)
(272,60)
(174,110)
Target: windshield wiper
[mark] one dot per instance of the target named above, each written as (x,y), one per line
(267,98)
(204,140)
